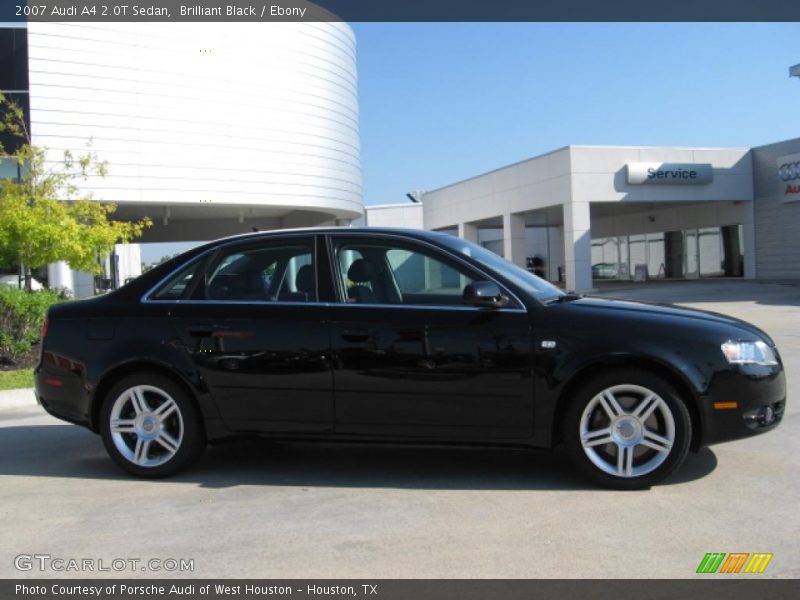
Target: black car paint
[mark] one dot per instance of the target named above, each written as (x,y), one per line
(336,370)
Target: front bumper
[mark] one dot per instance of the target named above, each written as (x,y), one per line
(743,401)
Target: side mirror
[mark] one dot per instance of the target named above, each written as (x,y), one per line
(485,294)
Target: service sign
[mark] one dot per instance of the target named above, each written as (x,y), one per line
(655,173)
(789,178)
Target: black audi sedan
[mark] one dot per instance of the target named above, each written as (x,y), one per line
(403,336)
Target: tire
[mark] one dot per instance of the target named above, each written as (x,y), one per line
(627,429)
(150,426)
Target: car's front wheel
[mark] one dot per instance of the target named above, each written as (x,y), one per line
(627,429)
(150,426)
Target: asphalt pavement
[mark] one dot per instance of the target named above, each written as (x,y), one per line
(258,509)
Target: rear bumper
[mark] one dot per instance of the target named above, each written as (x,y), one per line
(63,394)
(744,401)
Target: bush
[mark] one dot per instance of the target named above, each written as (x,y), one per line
(21,316)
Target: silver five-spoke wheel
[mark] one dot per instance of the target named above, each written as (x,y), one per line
(146,425)
(627,430)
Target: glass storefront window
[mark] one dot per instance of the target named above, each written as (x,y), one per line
(687,254)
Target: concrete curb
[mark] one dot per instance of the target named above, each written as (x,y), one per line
(23,398)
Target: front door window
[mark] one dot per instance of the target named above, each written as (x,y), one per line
(385,273)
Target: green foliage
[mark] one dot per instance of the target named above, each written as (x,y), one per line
(44,217)
(21,316)
(14,380)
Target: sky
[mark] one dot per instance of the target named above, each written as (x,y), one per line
(441,102)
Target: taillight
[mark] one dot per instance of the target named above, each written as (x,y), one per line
(44,328)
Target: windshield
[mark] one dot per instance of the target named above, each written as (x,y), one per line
(542,290)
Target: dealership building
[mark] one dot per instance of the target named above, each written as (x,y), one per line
(213,129)
(586,213)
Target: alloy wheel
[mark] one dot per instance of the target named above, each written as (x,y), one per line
(627,430)
(146,426)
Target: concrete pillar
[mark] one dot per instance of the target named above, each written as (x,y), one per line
(514,238)
(578,246)
(59,276)
(79,283)
(84,284)
(433,273)
(130,262)
(749,243)
(468,231)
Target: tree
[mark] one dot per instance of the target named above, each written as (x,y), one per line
(44,215)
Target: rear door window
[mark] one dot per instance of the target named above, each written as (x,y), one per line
(277,272)
(177,287)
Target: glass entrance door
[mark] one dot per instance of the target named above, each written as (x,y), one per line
(691,269)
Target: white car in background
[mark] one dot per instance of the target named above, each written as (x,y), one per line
(15,281)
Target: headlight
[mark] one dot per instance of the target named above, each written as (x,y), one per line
(749,353)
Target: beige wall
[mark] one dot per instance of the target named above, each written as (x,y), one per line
(777,223)
(577,178)
(395,215)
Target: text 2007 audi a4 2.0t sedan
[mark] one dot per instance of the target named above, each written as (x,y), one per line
(401,336)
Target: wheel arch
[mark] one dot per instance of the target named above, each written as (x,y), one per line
(113,375)
(673,376)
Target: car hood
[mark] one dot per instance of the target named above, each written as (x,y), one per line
(667,310)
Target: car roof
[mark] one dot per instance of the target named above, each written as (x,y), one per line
(407,231)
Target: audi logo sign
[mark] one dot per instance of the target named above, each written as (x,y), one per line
(789,171)
(789,177)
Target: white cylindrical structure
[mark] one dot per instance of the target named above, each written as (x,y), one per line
(217,121)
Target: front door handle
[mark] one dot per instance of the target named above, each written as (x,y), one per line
(356,335)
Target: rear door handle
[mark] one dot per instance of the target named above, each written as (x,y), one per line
(201,330)
(356,335)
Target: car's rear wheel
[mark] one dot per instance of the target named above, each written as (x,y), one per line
(627,429)
(150,426)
